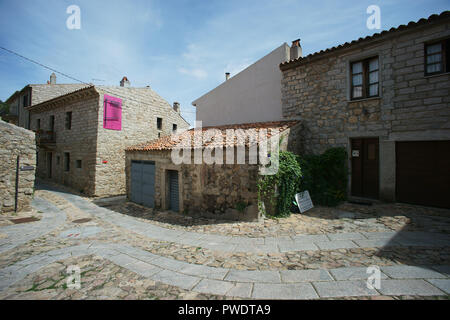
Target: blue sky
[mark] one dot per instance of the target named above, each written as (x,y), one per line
(181,48)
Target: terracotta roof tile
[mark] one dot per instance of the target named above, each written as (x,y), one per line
(188,138)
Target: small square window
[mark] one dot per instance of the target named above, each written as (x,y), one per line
(174,127)
(79,164)
(159,123)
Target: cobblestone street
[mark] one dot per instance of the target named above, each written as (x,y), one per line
(125,251)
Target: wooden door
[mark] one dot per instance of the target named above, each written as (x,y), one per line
(365,167)
(423,173)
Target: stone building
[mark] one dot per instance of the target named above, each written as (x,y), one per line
(17,163)
(33,94)
(198,186)
(82,135)
(386,99)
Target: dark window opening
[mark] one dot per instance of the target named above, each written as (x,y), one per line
(437,57)
(159,123)
(58,160)
(52,123)
(174,127)
(25,101)
(69,120)
(79,164)
(365,79)
(38,124)
(66,161)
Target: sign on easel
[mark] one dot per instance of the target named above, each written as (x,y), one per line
(304,201)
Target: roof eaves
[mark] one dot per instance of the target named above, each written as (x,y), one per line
(32,107)
(363,41)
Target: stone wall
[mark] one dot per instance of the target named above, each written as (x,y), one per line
(318,92)
(210,190)
(205,190)
(140,109)
(411,106)
(101,151)
(16,141)
(80,141)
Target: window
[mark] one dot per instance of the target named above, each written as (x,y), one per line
(112,113)
(365,82)
(38,124)
(52,123)
(159,123)
(66,161)
(437,57)
(79,164)
(58,160)
(69,120)
(25,101)
(174,127)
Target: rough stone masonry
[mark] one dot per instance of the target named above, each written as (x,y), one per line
(16,141)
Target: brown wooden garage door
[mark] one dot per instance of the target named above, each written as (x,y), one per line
(423,173)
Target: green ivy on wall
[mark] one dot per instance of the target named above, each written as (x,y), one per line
(277,191)
(325,176)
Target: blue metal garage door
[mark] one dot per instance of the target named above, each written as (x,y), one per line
(143,183)
(173,191)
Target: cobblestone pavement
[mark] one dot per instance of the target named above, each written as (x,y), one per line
(347,217)
(123,257)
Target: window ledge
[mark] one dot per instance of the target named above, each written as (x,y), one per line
(365,99)
(436,75)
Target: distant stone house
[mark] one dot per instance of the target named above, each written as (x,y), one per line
(17,167)
(34,94)
(197,186)
(386,99)
(82,135)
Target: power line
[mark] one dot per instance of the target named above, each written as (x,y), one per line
(42,65)
(72,78)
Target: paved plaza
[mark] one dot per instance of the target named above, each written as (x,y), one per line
(123,254)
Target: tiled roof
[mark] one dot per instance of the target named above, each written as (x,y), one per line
(435,17)
(186,139)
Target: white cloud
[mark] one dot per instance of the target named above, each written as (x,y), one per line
(196,73)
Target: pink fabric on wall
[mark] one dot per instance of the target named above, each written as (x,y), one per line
(112,113)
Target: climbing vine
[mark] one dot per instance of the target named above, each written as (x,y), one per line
(325,176)
(277,191)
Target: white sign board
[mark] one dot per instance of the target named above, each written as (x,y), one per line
(355,153)
(304,201)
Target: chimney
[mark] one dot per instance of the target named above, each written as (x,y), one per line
(52,78)
(176,106)
(296,50)
(124,82)
(227,76)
